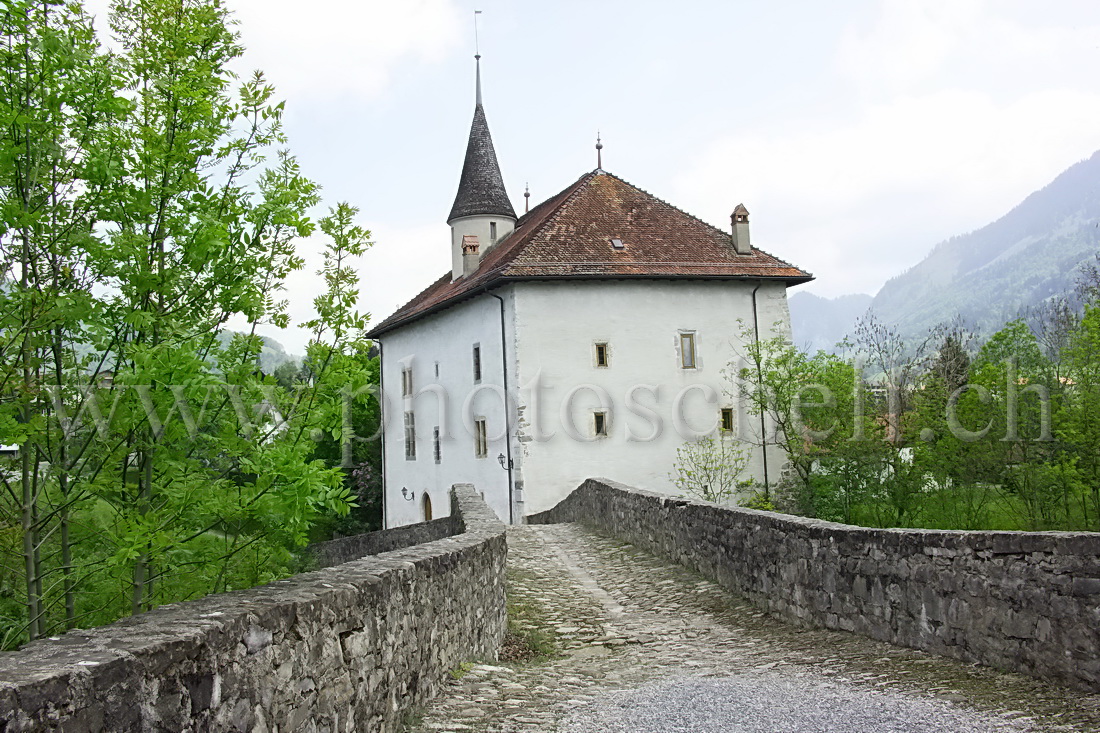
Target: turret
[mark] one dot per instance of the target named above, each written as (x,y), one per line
(481,208)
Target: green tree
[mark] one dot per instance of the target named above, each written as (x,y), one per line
(57,101)
(710,468)
(146,204)
(818,406)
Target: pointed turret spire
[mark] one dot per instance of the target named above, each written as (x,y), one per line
(477,94)
(481,188)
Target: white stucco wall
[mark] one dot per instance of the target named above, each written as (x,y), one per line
(558,324)
(480,227)
(551,329)
(446,338)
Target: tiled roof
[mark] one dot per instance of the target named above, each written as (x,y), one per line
(481,187)
(569,237)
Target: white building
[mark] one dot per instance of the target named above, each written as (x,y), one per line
(610,319)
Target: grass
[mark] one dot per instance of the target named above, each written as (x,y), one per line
(528,639)
(461,670)
(412,719)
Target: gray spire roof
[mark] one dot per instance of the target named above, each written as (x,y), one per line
(481,188)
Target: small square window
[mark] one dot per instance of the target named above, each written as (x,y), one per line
(481,439)
(477,363)
(617,244)
(727,419)
(687,350)
(602,355)
(599,421)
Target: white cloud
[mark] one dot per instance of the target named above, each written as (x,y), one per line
(391,274)
(942,115)
(334,47)
(912,46)
(857,202)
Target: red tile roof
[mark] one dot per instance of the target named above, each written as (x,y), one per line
(569,235)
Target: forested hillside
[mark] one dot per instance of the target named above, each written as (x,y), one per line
(985,278)
(990,275)
(818,323)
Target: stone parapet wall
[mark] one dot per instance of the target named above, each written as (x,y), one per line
(346,549)
(346,648)
(1025,601)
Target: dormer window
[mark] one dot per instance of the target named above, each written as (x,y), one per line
(617,244)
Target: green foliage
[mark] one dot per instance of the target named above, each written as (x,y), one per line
(1004,439)
(144,204)
(710,468)
(757,501)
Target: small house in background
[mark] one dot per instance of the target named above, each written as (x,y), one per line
(606,315)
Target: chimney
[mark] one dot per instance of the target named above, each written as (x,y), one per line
(470,253)
(740,221)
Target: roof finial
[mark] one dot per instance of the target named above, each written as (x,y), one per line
(477,59)
(526,198)
(599,152)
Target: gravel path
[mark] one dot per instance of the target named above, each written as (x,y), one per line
(774,703)
(649,647)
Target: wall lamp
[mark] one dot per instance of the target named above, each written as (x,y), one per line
(409,495)
(505,463)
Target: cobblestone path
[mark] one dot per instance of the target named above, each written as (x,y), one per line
(633,631)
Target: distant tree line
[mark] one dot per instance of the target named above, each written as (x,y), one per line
(146,198)
(954,432)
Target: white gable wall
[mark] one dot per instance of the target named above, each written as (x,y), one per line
(558,324)
(448,338)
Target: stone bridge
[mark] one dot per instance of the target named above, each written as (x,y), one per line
(662,614)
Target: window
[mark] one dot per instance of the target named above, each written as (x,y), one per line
(601,355)
(435,446)
(492,232)
(426,506)
(599,420)
(727,419)
(617,244)
(687,350)
(477,363)
(410,437)
(406,382)
(481,441)
(437,370)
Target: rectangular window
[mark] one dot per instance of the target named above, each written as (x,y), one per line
(437,370)
(687,350)
(601,355)
(727,419)
(481,441)
(492,232)
(477,363)
(600,422)
(406,382)
(435,446)
(410,437)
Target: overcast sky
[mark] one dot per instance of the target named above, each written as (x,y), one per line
(858,133)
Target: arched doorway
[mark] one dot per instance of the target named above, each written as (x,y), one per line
(426,504)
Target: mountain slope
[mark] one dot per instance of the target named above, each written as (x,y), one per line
(818,323)
(989,275)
